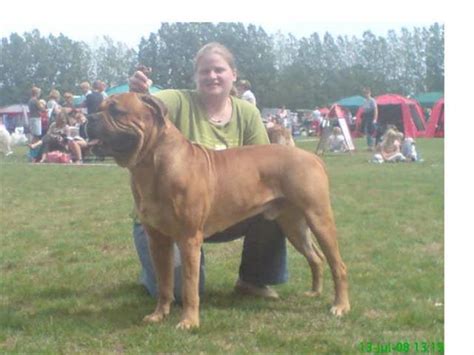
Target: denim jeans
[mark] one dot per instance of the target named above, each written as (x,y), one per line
(368,129)
(147,274)
(264,257)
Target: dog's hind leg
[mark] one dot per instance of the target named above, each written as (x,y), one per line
(294,226)
(323,227)
(161,251)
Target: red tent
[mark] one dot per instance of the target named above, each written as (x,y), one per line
(14,109)
(336,111)
(435,126)
(406,114)
(13,115)
(324,111)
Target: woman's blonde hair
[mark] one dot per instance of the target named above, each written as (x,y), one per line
(390,136)
(54,94)
(217,48)
(85,85)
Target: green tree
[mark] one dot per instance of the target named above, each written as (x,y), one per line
(299,73)
(434,38)
(114,61)
(14,83)
(69,61)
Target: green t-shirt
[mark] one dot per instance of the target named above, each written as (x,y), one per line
(187,113)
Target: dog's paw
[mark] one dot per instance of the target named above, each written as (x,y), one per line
(155,317)
(186,324)
(340,309)
(312,293)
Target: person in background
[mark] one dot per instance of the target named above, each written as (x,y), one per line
(244,90)
(369,117)
(95,98)
(85,87)
(77,138)
(336,141)
(34,116)
(316,115)
(44,117)
(53,104)
(210,116)
(68,100)
(389,149)
(409,149)
(283,117)
(55,138)
(102,88)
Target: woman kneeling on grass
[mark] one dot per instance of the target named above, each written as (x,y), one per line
(212,117)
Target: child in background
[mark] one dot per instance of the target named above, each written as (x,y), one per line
(389,149)
(336,141)
(409,149)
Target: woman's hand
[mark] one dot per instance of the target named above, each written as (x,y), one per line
(139,82)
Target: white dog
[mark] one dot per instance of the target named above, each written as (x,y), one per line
(19,137)
(5,141)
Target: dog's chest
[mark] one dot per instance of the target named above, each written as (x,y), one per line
(158,216)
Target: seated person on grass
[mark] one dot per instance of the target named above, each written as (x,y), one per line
(78,143)
(389,149)
(336,141)
(55,138)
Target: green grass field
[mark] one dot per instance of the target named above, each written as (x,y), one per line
(69,272)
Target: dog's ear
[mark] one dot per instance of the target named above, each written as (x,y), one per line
(158,107)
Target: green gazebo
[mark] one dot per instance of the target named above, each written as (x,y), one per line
(351,103)
(120,89)
(428,99)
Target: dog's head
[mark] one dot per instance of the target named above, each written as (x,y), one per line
(124,126)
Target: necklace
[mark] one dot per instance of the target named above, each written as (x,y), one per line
(222,117)
(214,119)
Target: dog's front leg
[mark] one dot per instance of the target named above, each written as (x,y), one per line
(190,251)
(161,250)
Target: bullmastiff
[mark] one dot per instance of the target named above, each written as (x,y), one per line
(184,193)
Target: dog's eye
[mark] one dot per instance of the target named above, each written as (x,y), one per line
(115,110)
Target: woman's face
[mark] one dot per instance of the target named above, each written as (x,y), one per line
(214,76)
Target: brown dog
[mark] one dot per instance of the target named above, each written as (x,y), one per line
(185,193)
(279,135)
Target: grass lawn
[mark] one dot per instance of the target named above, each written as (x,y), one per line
(69,272)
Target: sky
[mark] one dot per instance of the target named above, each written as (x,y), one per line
(127,21)
(89,19)
(131,33)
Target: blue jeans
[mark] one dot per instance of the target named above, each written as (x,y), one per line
(264,257)
(368,129)
(147,274)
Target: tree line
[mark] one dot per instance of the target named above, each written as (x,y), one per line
(283,70)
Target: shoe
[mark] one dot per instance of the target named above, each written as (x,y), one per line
(249,289)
